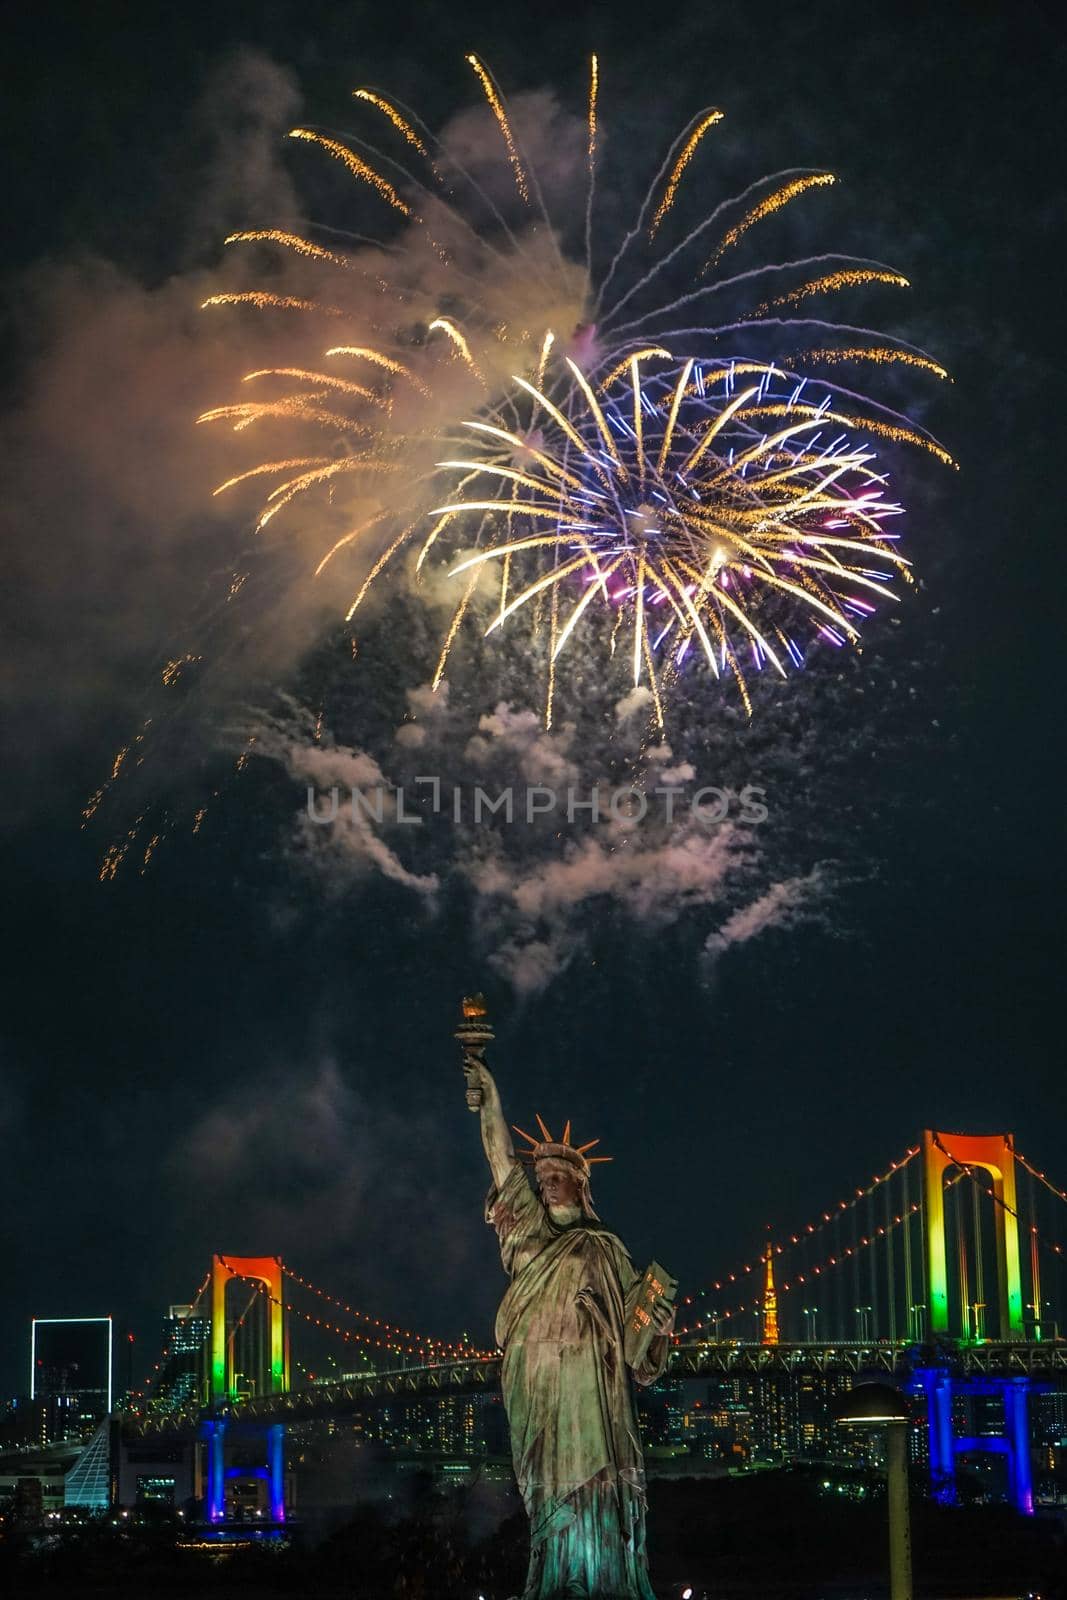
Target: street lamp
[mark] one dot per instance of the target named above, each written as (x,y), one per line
(878,1405)
(810,1313)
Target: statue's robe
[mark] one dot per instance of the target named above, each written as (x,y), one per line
(569,1401)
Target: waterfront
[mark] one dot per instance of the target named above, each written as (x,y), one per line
(774,1534)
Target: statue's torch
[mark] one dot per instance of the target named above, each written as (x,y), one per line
(474,1032)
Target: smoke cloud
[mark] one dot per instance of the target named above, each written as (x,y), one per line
(540,887)
(138,573)
(125,558)
(349,1178)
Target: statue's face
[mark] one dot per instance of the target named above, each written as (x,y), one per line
(558,1183)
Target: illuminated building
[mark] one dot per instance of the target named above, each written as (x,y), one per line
(88,1484)
(185,1339)
(70,1376)
(776,1417)
(744,1419)
(470,1427)
(1049,1437)
(816,1396)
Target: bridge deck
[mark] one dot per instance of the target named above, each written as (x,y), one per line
(347,1396)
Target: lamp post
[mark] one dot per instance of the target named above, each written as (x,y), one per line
(810,1314)
(878,1405)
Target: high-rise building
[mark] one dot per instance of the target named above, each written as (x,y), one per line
(471,1427)
(776,1416)
(1049,1435)
(185,1340)
(70,1376)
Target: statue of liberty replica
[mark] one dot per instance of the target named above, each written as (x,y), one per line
(576,1322)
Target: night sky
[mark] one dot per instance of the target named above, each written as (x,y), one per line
(234,1052)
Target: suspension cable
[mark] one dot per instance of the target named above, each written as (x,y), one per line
(1061,1194)
(909,1289)
(811,1228)
(848,1255)
(363,1316)
(350,1336)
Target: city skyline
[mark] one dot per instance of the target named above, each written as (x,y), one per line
(420,421)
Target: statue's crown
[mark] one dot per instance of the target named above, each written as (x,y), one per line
(549,1149)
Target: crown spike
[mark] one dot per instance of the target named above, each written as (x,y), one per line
(582,1148)
(543,1129)
(591,1161)
(533,1142)
(566,1133)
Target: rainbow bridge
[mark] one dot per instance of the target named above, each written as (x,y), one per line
(943,1274)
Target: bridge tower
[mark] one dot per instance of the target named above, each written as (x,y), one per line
(258,1269)
(273,1378)
(995,1154)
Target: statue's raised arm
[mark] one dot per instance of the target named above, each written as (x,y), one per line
(473,1035)
(483,1096)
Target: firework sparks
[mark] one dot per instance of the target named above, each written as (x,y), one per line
(703,524)
(291,241)
(708,120)
(594,90)
(300,406)
(323,379)
(266,468)
(394,116)
(356,166)
(447,326)
(380,359)
(832,283)
(173,671)
(497,107)
(768,206)
(713,503)
(879,355)
(591,145)
(262,300)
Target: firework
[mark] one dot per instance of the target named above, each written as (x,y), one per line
(671,495)
(616,452)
